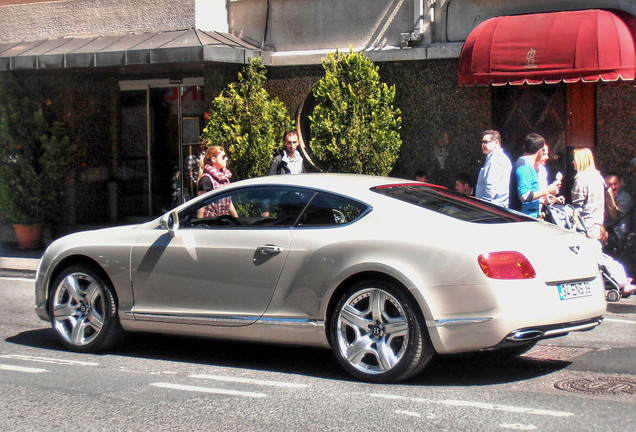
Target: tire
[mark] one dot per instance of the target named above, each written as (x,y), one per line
(387,342)
(84,310)
(613,295)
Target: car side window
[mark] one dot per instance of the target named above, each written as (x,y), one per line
(331,210)
(262,206)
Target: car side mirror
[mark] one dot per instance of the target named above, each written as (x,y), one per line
(170,222)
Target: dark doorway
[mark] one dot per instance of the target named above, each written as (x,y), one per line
(148,151)
(519,110)
(562,113)
(153,146)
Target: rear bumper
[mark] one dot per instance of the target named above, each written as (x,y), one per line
(531,334)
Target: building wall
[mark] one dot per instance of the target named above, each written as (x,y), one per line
(290,25)
(377,25)
(92,17)
(616,130)
(442,123)
(462,16)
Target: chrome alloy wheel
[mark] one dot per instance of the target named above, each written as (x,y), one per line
(78,307)
(372,331)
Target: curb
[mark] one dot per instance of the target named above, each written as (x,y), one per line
(26,264)
(21,274)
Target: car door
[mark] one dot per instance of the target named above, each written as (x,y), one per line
(216,269)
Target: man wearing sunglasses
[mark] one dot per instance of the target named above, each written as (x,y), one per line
(493,183)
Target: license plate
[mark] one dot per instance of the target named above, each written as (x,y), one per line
(574,290)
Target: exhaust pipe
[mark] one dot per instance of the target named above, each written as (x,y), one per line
(524,335)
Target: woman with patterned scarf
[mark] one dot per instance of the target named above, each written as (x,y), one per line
(214,174)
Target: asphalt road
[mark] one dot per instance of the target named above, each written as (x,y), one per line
(582,382)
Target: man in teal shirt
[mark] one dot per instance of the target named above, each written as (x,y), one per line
(526,174)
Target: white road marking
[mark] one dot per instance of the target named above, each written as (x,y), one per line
(408,413)
(507,408)
(518,426)
(249,381)
(480,405)
(21,369)
(209,390)
(49,360)
(622,321)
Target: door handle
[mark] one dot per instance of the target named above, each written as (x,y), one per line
(269,250)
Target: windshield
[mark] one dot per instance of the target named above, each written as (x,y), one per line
(450,203)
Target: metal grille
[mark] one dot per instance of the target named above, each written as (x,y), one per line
(599,385)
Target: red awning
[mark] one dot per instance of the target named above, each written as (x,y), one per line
(588,45)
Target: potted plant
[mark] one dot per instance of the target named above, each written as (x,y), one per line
(36,155)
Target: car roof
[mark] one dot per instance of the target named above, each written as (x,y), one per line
(349,184)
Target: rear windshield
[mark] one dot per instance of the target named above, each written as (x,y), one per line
(450,203)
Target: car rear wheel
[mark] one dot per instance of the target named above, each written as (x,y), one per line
(378,335)
(84,311)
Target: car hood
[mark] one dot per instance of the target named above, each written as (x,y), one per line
(92,240)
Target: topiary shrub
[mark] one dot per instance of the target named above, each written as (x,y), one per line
(354,126)
(36,155)
(247,122)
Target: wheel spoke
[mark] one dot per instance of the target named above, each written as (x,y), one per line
(397,327)
(385,355)
(354,318)
(93,293)
(95,319)
(79,331)
(356,351)
(72,286)
(378,300)
(65,311)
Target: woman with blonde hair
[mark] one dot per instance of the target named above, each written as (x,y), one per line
(588,191)
(214,174)
(588,197)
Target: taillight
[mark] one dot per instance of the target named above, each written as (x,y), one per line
(506,265)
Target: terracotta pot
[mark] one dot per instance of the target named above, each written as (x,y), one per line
(29,236)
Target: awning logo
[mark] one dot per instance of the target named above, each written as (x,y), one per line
(530,56)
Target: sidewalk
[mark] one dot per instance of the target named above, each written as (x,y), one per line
(12,258)
(14,261)
(17,262)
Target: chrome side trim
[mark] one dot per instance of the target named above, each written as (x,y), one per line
(457,321)
(223,321)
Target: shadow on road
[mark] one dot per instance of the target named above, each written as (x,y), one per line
(475,369)
(624,306)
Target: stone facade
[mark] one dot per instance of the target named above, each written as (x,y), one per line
(64,18)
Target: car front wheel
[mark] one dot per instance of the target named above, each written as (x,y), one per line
(378,335)
(84,310)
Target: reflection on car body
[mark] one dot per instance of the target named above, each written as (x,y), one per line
(367,266)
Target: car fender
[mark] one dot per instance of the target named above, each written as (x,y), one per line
(109,250)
